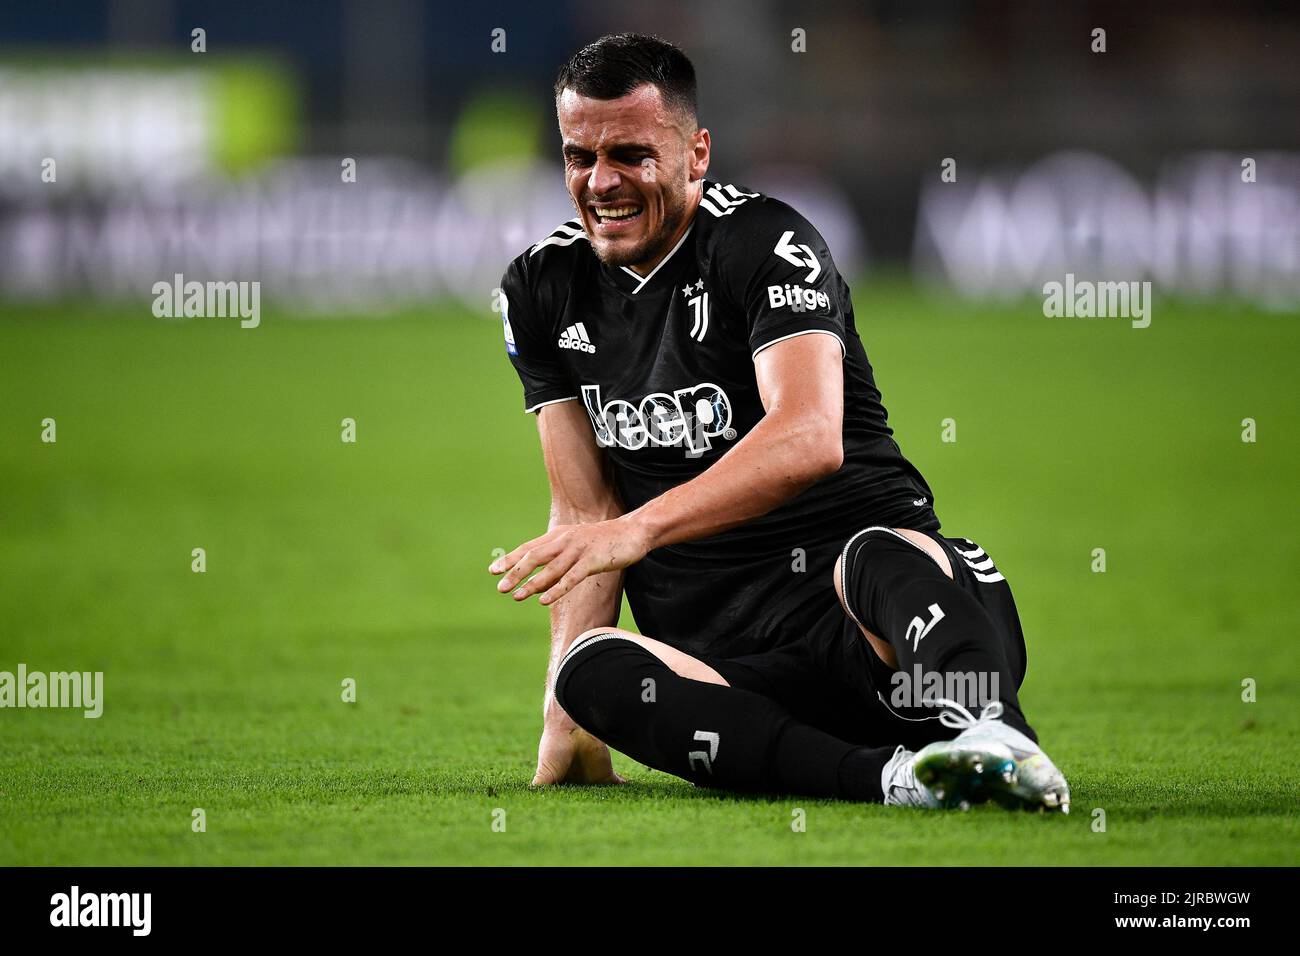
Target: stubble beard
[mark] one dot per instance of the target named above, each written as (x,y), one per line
(652,247)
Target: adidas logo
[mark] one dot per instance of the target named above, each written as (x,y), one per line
(575,337)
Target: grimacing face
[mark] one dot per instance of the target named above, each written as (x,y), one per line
(633,170)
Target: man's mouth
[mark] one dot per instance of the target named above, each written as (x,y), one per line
(617,216)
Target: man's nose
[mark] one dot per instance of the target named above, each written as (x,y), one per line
(604,177)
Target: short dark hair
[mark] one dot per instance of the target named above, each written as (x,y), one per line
(617,64)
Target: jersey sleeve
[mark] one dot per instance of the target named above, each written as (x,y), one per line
(780,273)
(529,344)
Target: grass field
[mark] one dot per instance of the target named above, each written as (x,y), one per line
(328,560)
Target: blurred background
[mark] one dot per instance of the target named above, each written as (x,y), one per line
(228,161)
(1136,485)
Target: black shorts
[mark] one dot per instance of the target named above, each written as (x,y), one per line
(832,679)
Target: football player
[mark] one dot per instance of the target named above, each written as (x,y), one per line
(717,448)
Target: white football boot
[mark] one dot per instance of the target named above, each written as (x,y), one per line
(898,781)
(988,760)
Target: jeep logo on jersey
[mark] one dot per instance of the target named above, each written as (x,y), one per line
(689,416)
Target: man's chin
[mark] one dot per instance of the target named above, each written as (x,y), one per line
(617,254)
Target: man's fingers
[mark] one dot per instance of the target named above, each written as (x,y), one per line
(523,566)
(528,562)
(510,559)
(506,561)
(571,579)
(543,579)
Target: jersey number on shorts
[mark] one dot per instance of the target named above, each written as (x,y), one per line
(711,738)
(919,628)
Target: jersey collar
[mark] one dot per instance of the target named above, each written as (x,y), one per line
(632,283)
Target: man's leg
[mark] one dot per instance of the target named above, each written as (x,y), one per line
(898,586)
(945,613)
(677,714)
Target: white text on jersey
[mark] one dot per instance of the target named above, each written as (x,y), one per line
(575,337)
(689,416)
(798,298)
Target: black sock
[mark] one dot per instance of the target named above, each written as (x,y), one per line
(894,589)
(710,734)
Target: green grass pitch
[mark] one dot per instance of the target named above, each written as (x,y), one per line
(328,561)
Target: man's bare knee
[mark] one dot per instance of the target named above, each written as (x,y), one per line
(679,662)
(929,546)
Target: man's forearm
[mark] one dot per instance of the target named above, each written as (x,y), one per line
(797,442)
(593,603)
(779,458)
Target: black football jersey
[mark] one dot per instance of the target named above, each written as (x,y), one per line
(663,364)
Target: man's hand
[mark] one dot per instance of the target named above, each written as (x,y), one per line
(567,555)
(568,754)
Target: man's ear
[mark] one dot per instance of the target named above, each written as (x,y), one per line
(701,148)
